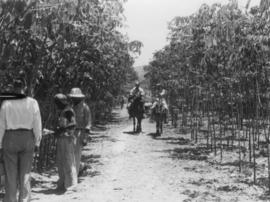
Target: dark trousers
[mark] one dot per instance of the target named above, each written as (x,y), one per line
(18,151)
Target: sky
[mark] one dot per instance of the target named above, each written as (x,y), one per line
(147,20)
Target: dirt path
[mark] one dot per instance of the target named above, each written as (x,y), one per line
(140,168)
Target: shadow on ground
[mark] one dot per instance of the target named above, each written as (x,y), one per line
(90,159)
(99,138)
(131,133)
(89,173)
(187,153)
(48,192)
(98,128)
(175,140)
(114,118)
(236,163)
(265,196)
(153,135)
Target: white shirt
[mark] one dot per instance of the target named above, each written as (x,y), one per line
(22,113)
(135,90)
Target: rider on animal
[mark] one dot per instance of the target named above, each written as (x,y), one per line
(159,109)
(160,97)
(136,92)
(136,107)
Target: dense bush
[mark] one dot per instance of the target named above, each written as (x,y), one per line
(221,52)
(56,45)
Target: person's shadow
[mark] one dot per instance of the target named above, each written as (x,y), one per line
(154,135)
(131,132)
(49,191)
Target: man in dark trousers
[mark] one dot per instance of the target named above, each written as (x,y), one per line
(20,133)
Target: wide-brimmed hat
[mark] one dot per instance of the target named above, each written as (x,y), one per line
(76,93)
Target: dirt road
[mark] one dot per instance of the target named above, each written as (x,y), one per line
(140,168)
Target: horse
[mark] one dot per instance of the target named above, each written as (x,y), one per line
(159,113)
(136,110)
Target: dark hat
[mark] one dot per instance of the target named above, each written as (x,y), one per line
(61,98)
(76,93)
(18,83)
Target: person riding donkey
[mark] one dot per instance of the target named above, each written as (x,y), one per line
(160,98)
(134,93)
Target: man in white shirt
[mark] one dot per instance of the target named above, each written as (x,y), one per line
(160,94)
(136,92)
(160,99)
(20,133)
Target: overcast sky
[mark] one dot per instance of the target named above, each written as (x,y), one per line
(147,21)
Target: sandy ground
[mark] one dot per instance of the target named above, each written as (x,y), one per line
(141,168)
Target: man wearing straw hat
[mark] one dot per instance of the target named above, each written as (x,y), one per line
(20,133)
(83,120)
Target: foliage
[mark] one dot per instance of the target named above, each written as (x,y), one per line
(56,45)
(219,51)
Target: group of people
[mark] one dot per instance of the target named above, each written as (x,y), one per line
(73,127)
(159,96)
(21,133)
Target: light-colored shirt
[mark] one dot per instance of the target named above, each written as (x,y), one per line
(163,103)
(163,93)
(135,91)
(83,116)
(21,114)
(160,93)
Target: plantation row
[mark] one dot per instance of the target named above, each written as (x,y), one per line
(56,45)
(216,71)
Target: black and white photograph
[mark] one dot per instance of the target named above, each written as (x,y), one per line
(135,100)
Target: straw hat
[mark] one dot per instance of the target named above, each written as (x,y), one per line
(76,93)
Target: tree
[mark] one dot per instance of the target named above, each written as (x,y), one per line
(56,45)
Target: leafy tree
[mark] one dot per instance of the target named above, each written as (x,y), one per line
(219,50)
(56,45)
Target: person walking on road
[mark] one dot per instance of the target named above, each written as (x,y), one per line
(20,135)
(65,152)
(83,120)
